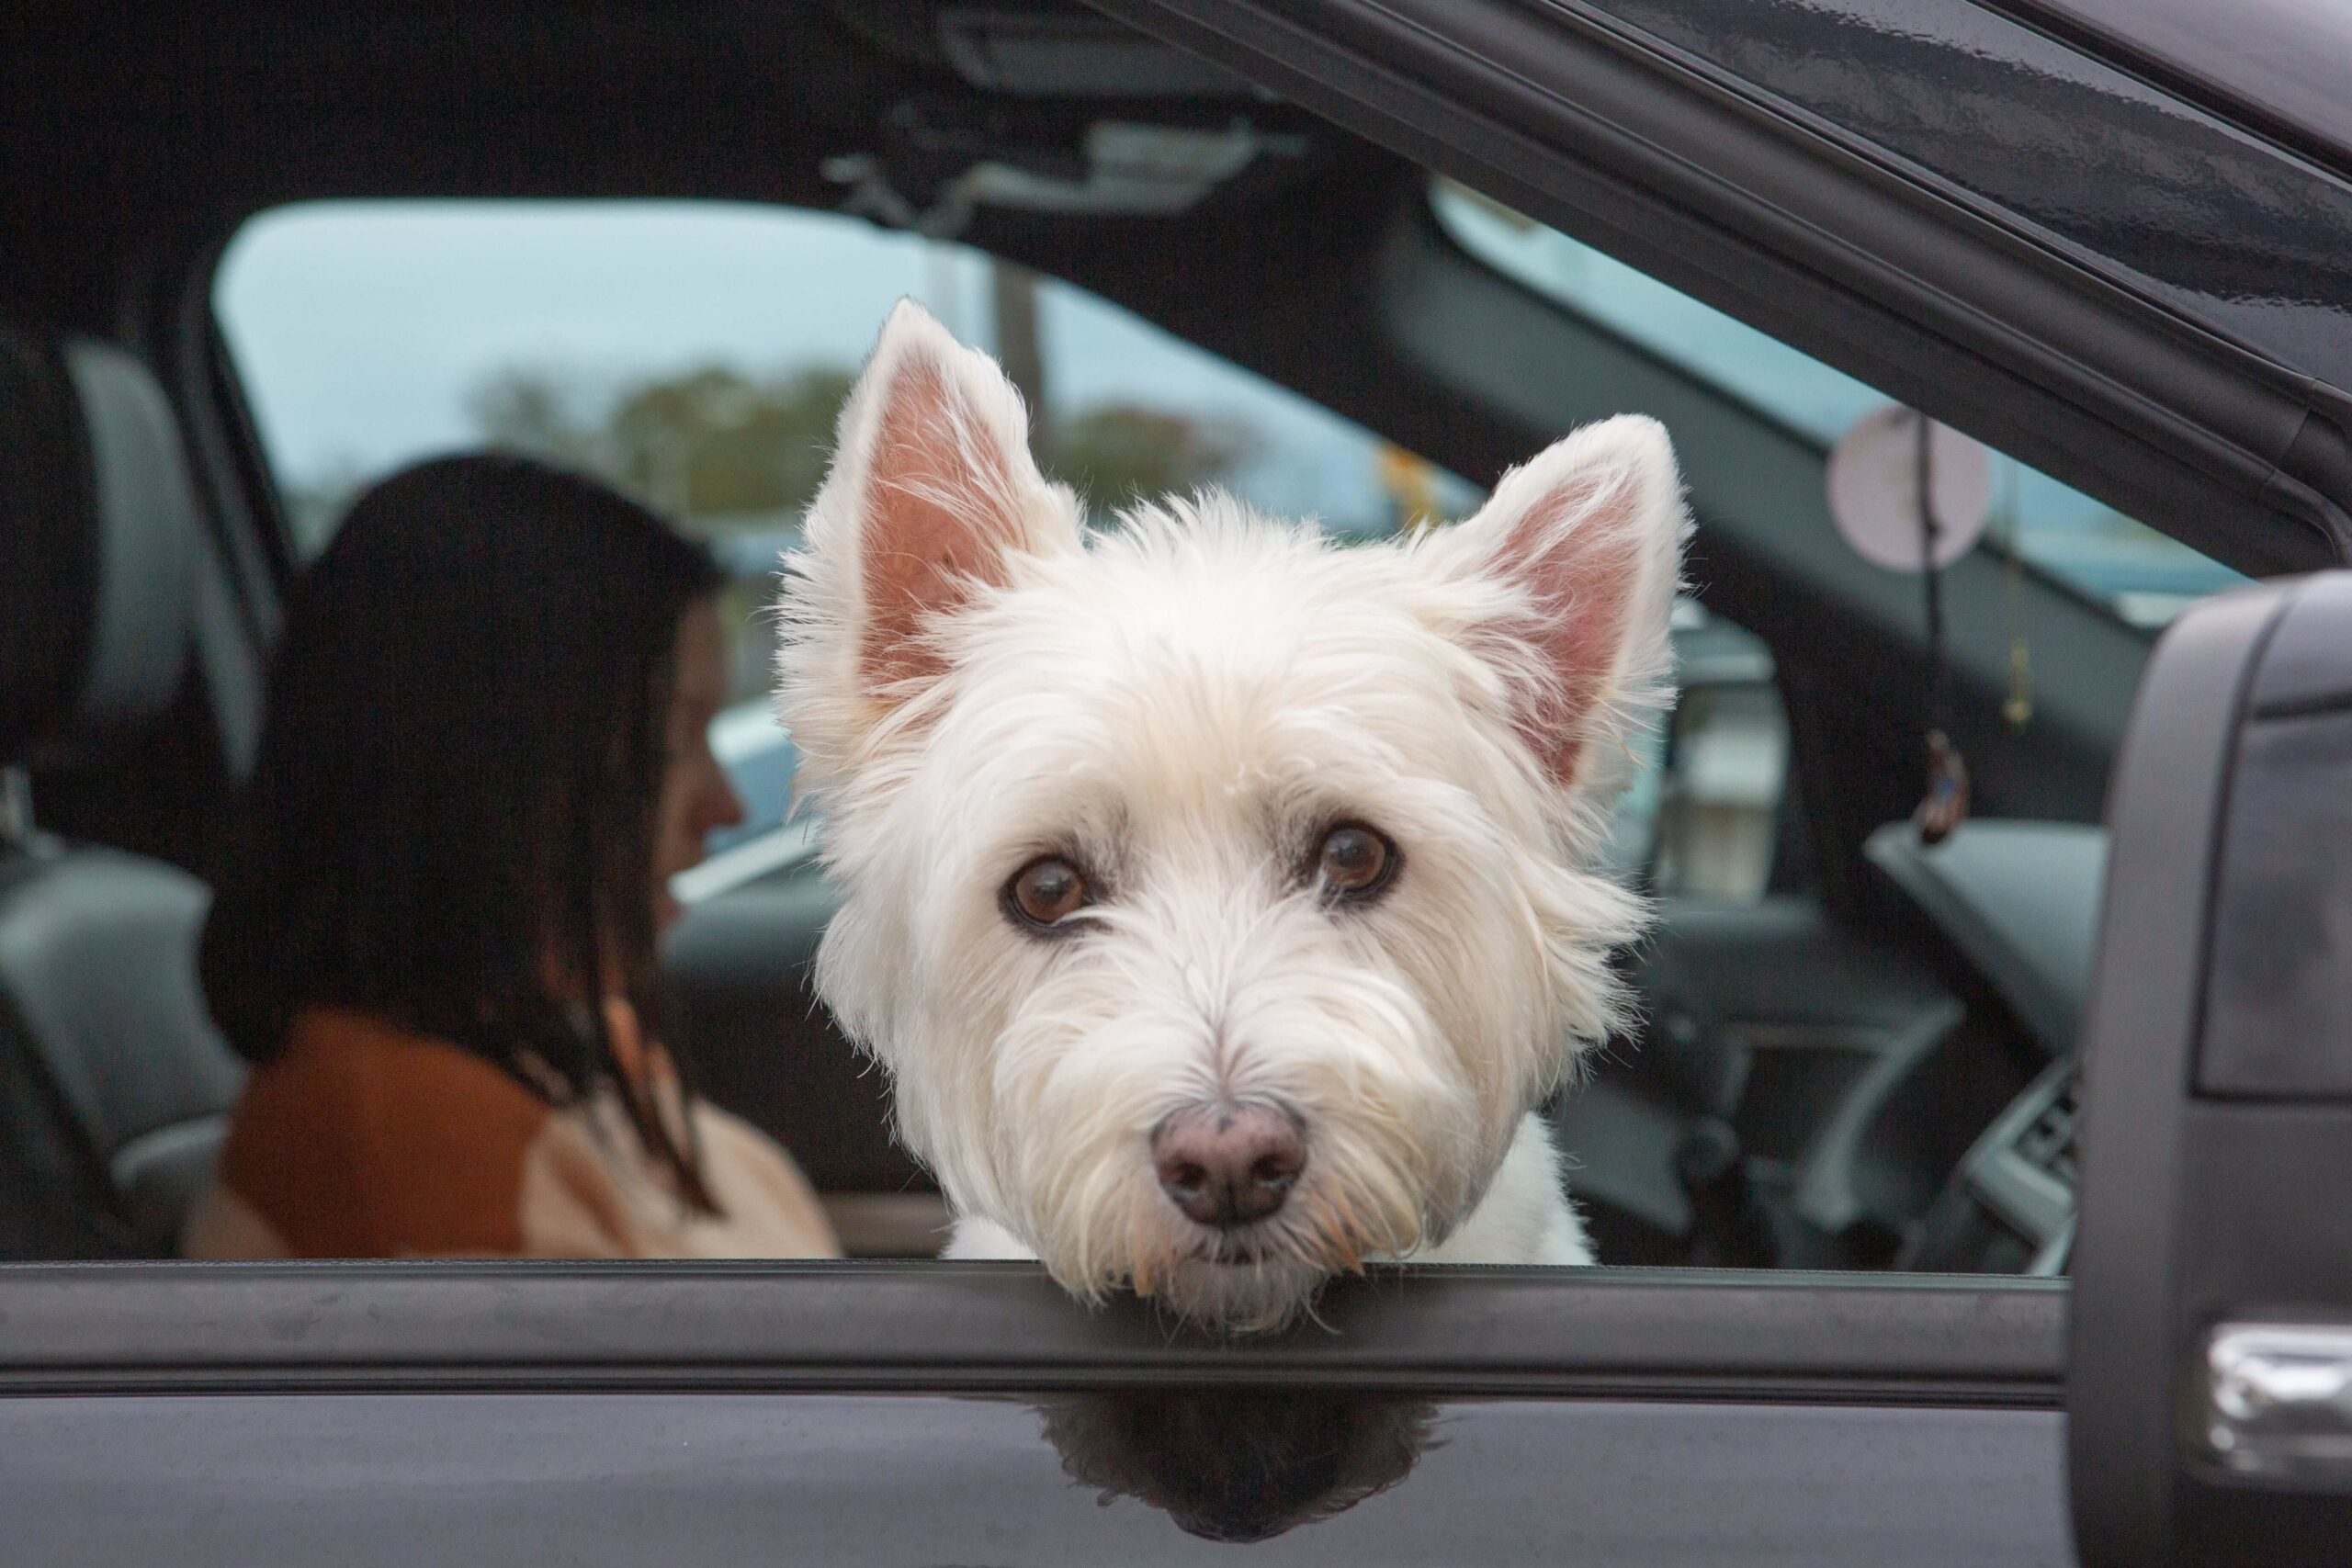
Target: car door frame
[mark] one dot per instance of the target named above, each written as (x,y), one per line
(1003,1327)
(1863,261)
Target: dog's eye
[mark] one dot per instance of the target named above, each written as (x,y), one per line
(1047,891)
(1355,861)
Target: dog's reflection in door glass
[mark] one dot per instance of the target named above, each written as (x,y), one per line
(1239,1465)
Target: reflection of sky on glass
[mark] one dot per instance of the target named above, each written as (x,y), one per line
(2147,575)
(359,327)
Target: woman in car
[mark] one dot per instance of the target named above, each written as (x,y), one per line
(485,758)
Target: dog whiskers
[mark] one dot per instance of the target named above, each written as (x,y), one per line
(1349,1228)
(1339,1240)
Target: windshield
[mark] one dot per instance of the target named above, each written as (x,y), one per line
(2142,576)
(695,354)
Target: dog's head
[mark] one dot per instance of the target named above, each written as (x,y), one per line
(1217,895)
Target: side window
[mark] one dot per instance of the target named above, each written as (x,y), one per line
(696,355)
(2143,577)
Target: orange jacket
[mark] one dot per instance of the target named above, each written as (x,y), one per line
(362,1140)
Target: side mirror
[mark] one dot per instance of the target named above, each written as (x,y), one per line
(2210,1377)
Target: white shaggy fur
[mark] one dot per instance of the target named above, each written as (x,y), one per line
(1182,704)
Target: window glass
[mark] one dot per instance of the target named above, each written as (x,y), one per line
(2144,576)
(697,354)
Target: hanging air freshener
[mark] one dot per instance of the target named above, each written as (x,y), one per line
(1912,495)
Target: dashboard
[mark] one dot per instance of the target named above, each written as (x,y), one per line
(1807,1094)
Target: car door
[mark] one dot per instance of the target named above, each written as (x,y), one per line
(938,1413)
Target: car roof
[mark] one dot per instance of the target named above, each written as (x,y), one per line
(2278,65)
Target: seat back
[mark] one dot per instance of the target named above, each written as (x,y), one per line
(114,1084)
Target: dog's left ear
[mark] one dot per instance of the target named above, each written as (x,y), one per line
(933,495)
(1589,535)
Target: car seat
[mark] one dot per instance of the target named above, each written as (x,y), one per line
(114,1084)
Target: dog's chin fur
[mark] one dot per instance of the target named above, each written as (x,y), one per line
(1235,1297)
(1523,1216)
(1182,706)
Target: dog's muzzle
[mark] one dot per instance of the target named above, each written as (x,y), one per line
(1226,1166)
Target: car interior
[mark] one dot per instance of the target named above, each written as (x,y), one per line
(1855,1048)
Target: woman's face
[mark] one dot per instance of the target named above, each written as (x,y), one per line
(696,799)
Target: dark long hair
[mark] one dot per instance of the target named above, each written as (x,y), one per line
(450,821)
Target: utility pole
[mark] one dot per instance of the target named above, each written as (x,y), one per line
(1012,295)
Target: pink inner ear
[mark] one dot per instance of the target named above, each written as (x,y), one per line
(937,518)
(1578,553)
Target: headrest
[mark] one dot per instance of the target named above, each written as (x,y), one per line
(98,530)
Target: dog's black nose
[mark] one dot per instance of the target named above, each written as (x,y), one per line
(1228,1165)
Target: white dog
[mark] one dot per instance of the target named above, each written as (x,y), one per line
(1218,896)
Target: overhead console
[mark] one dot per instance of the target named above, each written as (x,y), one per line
(1038,107)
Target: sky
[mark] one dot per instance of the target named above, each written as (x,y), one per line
(358,327)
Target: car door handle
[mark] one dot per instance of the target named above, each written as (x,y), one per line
(2278,1401)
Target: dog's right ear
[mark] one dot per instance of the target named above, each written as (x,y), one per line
(1588,536)
(932,495)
